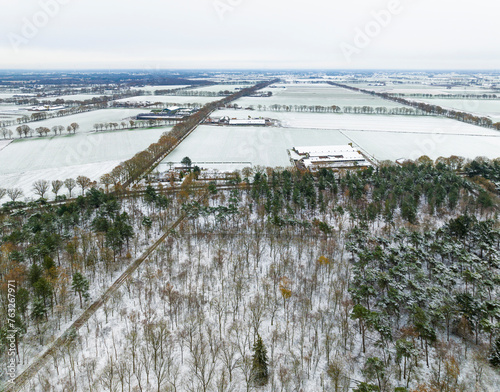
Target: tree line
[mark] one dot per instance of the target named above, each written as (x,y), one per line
(429,108)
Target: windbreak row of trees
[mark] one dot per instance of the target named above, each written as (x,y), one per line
(447,96)
(429,108)
(344,109)
(194,93)
(25,130)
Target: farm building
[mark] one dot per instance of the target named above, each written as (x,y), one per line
(315,157)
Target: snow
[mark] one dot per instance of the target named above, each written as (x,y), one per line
(395,145)
(255,145)
(367,122)
(172,99)
(86,120)
(49,158)
(315,94)
(4,143)
(384,137)
(74,97)
(480,107)
(222,87)
(152,89)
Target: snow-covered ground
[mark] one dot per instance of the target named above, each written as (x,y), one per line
(74,97)
(225,148)
(152,89)
(172,99)
(315,94)
(86,120)
(4,143)
(384,137)
(411,88)
(365,122)
(480,107)
(57,158)
(222,87)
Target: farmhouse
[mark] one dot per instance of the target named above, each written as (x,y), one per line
(315,157)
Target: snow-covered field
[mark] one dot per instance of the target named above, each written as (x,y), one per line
(257,146)
(74,97)
(222,87)
(152,89)
(394,145)
(385,137)
(57,158)
(364,122)
(173,99)
(4,143)
(315,94)
(481,107)
(411,88)
(88,119)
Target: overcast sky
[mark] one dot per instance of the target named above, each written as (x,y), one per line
(292,34)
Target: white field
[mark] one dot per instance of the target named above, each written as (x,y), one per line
(56,158)
(364,122)
(170,99)
(4,143)
(86,120)
(222,87)
(74,97)
(229,148)
(411,88)
(384,137)
(315,94)
(481,107)
(152,89)
(394,145)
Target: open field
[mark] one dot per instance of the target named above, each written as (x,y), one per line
(480,107)
(222,87)
(57,158)
(315,94)
(365,122)
(74,97)
(412,88)
(152,89)
(384,137)
(86,120)
(258,146)
(173,99)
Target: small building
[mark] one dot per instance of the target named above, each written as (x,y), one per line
(226,120)
(339,157)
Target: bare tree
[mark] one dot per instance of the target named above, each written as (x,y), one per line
(106,180)
(2,193)
(56,186)
(75,127)
(84,182)
(15,193)
(41,187)
(70,184)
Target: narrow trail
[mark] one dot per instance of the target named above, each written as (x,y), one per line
(21,380)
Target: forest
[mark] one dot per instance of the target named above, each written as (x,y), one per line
(383,279)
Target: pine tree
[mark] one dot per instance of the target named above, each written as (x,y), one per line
(260,372)
(81,286)
(494,357)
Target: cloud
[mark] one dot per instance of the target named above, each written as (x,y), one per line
(247,33)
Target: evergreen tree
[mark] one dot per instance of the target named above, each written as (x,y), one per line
(81,286)
(260,372)
(494,357)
